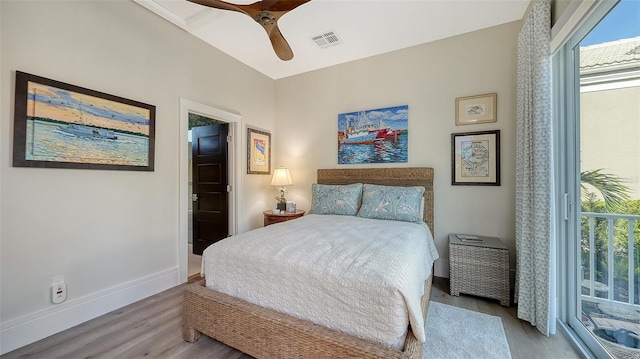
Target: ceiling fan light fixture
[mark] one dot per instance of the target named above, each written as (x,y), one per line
(326,39)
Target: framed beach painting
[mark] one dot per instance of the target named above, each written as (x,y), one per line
(258,152)
(374,136)
(475,158)
(65,126)
(476,109)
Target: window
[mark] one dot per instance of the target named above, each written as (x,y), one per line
(597,86)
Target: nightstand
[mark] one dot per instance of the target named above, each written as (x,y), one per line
(271,218)
(480,268)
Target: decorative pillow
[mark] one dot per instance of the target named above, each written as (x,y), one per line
(336,199)
(393,203)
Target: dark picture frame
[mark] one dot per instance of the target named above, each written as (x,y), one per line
(475,158)
(258,152)
(59,125)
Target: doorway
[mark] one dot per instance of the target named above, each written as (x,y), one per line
(233,121)
(209,182)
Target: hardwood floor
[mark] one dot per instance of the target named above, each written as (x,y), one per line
(151,328)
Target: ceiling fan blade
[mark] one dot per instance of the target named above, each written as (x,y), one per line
(266,13)
(281,5)
(218,4)
(280,44)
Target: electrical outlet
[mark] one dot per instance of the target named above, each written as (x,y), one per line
(59,293)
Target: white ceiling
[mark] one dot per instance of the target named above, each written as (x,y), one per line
(366,28)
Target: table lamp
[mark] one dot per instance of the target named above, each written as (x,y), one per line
(282,178)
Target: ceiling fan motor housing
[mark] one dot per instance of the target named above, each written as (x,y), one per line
(265,18)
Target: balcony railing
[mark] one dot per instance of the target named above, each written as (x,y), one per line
(606,292)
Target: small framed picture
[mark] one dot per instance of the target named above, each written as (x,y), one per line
(475,158)
(476,109)
(258,152)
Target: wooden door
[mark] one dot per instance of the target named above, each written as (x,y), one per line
(210,180)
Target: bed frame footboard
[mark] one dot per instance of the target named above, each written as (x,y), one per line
(264,333)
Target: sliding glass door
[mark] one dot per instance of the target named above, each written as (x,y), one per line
(599,135)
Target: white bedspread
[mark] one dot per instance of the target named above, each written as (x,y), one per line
(364,277)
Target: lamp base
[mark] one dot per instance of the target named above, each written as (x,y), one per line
(282,206)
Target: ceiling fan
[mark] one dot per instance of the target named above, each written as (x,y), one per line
(265,13)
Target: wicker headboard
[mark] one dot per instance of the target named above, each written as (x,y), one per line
(401,176)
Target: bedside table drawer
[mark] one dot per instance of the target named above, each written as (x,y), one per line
(272,218)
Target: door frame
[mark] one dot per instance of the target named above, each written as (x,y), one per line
(234,171)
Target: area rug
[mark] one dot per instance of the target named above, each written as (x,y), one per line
(460,333)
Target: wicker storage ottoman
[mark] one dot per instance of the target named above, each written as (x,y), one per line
(480,268)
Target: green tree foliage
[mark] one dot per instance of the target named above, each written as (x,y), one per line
(611,187)
(616,200)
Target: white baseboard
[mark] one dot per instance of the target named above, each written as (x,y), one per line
(441,268)
(30,328)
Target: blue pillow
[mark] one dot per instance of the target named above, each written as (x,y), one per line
(392,203)
(336,199)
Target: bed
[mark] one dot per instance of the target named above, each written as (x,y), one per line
(266,333)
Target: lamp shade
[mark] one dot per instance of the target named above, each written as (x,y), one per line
(281,177)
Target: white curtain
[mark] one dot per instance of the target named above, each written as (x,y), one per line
(534,170)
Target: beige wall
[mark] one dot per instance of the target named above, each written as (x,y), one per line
(557,9)
(427,78)
(112,234)
(609,132)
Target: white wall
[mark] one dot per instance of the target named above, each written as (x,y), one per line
(428,78)
(112,234)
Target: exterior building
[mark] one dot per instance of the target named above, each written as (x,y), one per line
(610,110)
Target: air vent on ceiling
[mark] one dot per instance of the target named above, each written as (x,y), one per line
(326,39)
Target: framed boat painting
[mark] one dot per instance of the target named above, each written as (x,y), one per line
(475,158)
(60,125)
(374,136)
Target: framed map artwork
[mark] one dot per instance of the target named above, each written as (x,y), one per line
(475,158)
